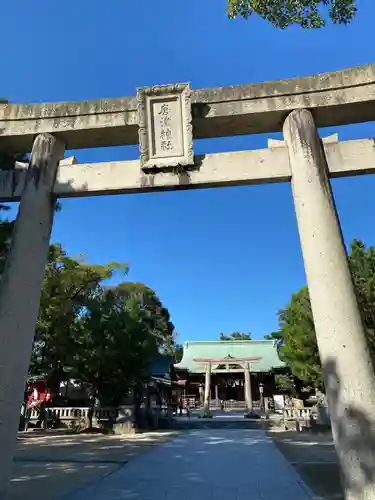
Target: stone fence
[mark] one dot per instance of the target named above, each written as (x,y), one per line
(299,413)
(316,418)
(65,414)
(114,420)
(120,420)
(234,405)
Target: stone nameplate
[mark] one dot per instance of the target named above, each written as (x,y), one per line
(165,129)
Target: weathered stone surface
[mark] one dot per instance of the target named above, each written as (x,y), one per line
(344,353)
(213,170)
(20,289)
(248,395)
(207,391)
(165,130)
(337,98)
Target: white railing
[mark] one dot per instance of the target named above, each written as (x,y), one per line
(299,413)
(72,413)
(241,404)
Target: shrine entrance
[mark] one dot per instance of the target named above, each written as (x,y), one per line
(233,390)
(227,377)
(229,383)
(215,366)
(164,120)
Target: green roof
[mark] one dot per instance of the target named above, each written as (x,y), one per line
(265,349)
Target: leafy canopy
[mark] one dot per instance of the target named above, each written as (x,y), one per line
(297,339)
(236,336)
(305,13)
(68,289)
(155,315)
(114,346)
(104,337)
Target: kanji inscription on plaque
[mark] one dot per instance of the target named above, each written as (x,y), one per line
(165,129)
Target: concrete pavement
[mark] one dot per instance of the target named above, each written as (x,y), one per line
(209,464)
(51,465)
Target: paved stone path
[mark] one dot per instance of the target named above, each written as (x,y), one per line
(51,465)
(221,464)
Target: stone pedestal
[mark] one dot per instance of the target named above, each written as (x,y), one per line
(348,372)
(20,289)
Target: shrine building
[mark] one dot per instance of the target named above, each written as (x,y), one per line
(237,372)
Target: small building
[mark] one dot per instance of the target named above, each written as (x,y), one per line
(226,368)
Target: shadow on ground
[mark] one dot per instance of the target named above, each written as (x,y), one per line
(314,457)
(228,464)
(219,420)
(184,425)
(48,467)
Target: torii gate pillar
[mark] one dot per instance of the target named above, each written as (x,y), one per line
(20,290)
(348,372)
(207,391)
(248,395)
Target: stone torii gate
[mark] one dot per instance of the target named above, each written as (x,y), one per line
(243,362)
(164,120)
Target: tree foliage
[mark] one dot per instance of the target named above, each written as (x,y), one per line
(299,348)
(285,382)
(362,264)
(154,313)
(236,336)
(114,346)
(305,13)
(177,353)
(297,339)
(69,287)
(104,337)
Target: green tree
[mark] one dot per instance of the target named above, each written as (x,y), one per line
(177,353)
(276,337)
(104,337)
(114,346)
(285,382)
(236,336)
(305,13)
(362,264)
(68,288)
(155,314)
(297,338)
(299,348)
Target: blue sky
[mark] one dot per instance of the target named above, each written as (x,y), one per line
(220,259)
